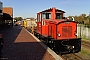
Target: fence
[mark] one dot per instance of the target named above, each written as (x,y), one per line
(84,33)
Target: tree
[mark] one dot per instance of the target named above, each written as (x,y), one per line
(88,21)
(83,19)
(18,18)
(83,15)
(76,18)
(80,19)
(70,18)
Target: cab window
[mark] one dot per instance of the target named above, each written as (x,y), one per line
(46,15)
(38,18)
(59,16)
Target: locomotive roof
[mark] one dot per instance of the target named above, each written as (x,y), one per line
(50,9)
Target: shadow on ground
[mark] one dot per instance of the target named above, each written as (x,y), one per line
(20,50)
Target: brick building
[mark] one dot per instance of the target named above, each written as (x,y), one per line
(8,15)
(8,10)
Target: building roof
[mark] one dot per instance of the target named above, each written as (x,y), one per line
(7,16)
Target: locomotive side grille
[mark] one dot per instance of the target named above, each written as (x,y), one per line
(66,31)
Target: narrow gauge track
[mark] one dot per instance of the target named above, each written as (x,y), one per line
(74,56)
(71,57)
(86,44)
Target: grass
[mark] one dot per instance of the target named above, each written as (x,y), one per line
(85,51)
(87,40)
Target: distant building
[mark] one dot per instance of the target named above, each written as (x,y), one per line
(6,15)
(30,18)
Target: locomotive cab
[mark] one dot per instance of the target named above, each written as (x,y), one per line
(44,17)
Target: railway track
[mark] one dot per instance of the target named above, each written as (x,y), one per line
(71,57)
(86,44)
(76,56)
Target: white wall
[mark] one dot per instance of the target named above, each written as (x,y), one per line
(85,32)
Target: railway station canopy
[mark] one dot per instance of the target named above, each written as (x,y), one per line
(7,16)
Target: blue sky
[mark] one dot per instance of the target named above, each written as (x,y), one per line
(29,8)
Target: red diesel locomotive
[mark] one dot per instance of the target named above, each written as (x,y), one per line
(58,32)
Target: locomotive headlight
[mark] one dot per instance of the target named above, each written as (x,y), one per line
(59,35)
(73,47)
(70,47)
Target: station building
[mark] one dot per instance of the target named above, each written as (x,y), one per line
(6,16)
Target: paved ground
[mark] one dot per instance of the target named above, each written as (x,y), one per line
(19,45)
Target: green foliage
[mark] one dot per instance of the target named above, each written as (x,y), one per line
(85,51)
(18,18)
(76,18)
(82,19)
(70,18)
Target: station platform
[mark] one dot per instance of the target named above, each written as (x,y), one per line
(19,44)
